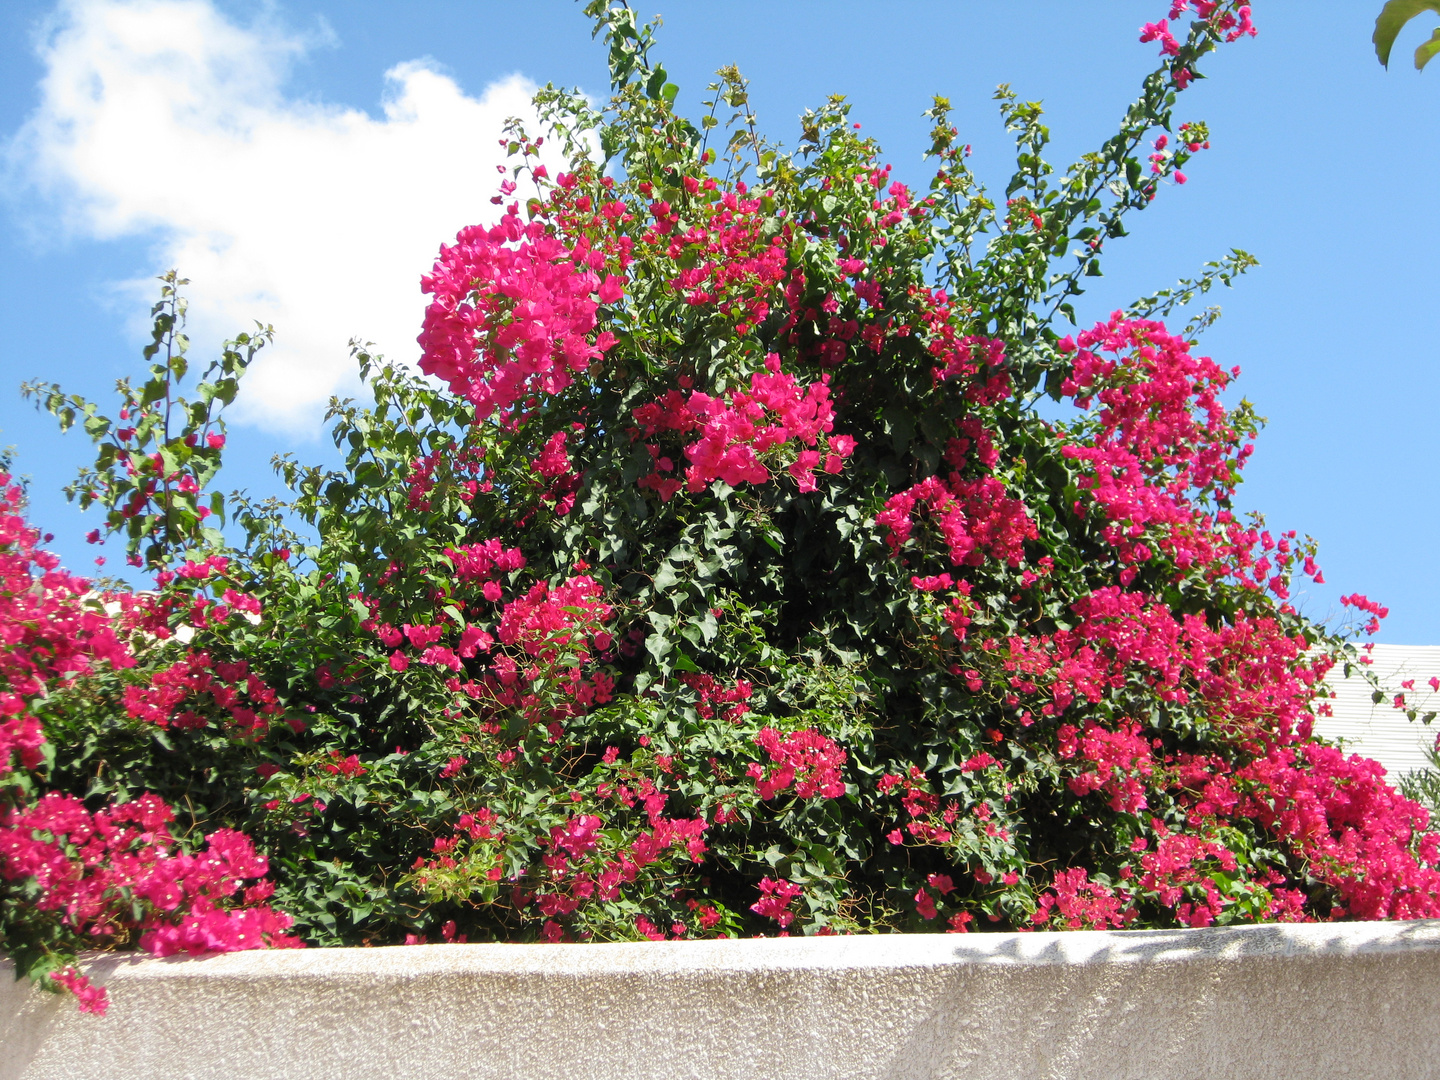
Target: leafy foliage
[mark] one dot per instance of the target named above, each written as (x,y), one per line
(1392,19)
(1423,785)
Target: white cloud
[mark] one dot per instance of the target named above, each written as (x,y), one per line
(163,118)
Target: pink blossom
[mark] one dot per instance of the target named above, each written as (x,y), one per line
(92,998)
(775,899)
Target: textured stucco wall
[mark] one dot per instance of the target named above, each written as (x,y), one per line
(1357,1000)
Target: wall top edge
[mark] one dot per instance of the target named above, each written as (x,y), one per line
(1088,948)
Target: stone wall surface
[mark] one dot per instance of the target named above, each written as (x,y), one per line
(1352,1000)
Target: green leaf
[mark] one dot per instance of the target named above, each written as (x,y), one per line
(900,426)
(1427,51)
(1393,16)
(666,577)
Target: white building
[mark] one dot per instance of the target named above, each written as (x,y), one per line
(1379,730)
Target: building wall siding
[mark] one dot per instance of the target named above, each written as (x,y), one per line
(1381,731)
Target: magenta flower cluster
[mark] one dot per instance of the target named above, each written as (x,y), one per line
(115,872)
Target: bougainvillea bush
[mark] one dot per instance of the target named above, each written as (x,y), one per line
(759,550)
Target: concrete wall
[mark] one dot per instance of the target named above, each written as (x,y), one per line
(1358,1000)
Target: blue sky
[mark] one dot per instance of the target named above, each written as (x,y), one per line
(266,150)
